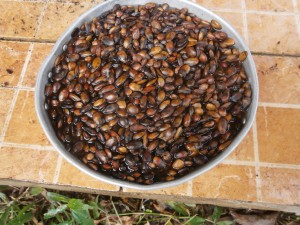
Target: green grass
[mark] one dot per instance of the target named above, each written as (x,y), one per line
(40,206)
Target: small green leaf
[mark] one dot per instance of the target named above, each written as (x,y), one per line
(4,216)
(57,197)
(148,211)
(69,222)
(225,222)
(195,220)
(53,212)
(80,212)
(36,191)
(77,204)
(22,216)
(3,197)
(179,207)
(82,217)
(95,209)
(217,213)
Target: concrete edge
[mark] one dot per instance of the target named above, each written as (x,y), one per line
(186,199)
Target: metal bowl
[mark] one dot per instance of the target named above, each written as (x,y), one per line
(98,10)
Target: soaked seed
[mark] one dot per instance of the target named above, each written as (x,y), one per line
(178,164)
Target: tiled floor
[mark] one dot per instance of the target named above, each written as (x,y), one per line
(265,168)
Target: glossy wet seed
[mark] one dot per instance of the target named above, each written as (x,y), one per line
(147,94)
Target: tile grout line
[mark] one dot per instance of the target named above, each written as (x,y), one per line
(14,100)
(40,19)
(257,167)
(57,169)
(23,88)
(245,22)
(297,16)
(9,114)
(279,105)
(27,146)
(261,164)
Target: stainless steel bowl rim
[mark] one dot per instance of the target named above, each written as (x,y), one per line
(96,11)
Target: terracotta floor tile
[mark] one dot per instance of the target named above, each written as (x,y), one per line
(24,127)
(52,26)
(273,33)
(6,96)
(244,151)
(181,189)
(27,164)
(39,53)
(279,79)
(220,4)
(70,175)
(270,5)
(12,55)
(235,19)
(278,135)
(227,182)
(280,186)
(19,19)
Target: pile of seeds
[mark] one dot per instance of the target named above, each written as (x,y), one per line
(148,93)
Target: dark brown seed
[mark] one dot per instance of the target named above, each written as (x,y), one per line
(63,94)
(48,90)
(215,24)
(99,102)
(184,70)
(161,96)
(137,128)
(170,47)
(243,56)
(148,89)
(134,145)
(155,24)
(167,111)
(84,97)
(110,109)
(111,97)
(122,56)
(107,41)
(191,61)
(178,164)
(186,120)
(135,87)
(132,109)
(152,145)
(167,72)
(159,162)
(155,50)
(170,36)
(96,63)
(222,125)
(136,33)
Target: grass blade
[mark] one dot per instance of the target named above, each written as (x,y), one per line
(4,216)
(57,197)
(179,207)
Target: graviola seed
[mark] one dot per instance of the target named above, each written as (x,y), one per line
(148,94)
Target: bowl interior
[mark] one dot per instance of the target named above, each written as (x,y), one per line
(98,10)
